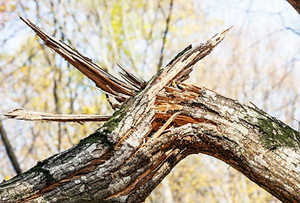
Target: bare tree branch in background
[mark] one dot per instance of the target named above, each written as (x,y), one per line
(165,36)
(287,27)
(9,150)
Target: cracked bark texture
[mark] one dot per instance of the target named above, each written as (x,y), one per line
(154,129)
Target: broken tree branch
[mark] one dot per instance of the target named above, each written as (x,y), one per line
(155,128)
(21,114)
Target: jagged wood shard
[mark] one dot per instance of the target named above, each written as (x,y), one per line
(130,78)
(181,64)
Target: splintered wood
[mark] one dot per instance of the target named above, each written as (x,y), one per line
(180,67)
(118,91)
(169,103)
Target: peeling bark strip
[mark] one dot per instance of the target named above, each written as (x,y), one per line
(158,126)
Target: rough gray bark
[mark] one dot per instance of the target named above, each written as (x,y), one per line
(167,120)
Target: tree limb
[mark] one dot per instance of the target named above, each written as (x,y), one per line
(126,158)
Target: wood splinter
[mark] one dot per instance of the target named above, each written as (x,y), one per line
(22,114)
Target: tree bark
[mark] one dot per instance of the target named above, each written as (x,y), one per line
(167,120)
(295,4)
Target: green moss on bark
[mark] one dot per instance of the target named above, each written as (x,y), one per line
(37,169)
(276,134)
(102,133)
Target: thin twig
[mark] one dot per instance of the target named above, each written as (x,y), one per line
(9,150)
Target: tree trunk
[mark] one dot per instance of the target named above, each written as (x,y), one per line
(167,120)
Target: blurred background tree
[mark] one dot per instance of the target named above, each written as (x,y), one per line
(258,62)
